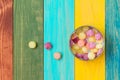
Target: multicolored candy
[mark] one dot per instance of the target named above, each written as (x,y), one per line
(87,43)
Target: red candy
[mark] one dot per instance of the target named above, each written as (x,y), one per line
(75,40)
(48,45)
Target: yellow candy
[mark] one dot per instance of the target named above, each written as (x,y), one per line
(82,35)
(94,50)
(79,51)
(73,50)
(84,49)
(99,41)
(32,44)
(76,47)
(91,39)
(95,30)
(78,31)
(85,28)
(98,46)
(91,55)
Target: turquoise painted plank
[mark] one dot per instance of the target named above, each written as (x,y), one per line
(112,40)
(58,26)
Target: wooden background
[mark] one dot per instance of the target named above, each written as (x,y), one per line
(58,26)
(90,12)
(112,40)
(28,26)
(53,21)
(6,23)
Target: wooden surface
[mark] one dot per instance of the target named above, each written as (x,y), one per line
(90,12)
(6,39)
(112,40)
(28,26)
(58,26)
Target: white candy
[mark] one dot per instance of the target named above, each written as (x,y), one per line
(84,49)
(32,44)
(98,46)
(91,55)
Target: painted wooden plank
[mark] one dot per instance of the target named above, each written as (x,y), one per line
(112,40)
(28,26)
(90,12)
(6,39)
(58,26)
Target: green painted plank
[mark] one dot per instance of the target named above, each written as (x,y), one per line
(28,26)
(112,40)
(58,26)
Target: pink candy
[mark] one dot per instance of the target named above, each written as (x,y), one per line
(79,55)
(90,33)
(71,42)
(91,45)
(98,36)
(99,52)
(81,43)
(85,57)
(82,56)
(48,45)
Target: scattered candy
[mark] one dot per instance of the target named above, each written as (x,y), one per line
(57,55)
(32,44)
(87,43)
(48,45)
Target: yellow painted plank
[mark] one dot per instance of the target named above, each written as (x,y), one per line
(90,12)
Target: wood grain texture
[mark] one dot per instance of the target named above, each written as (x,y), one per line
(90,12)
(58,26)
(28,26)
(112,40)
(6,39)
